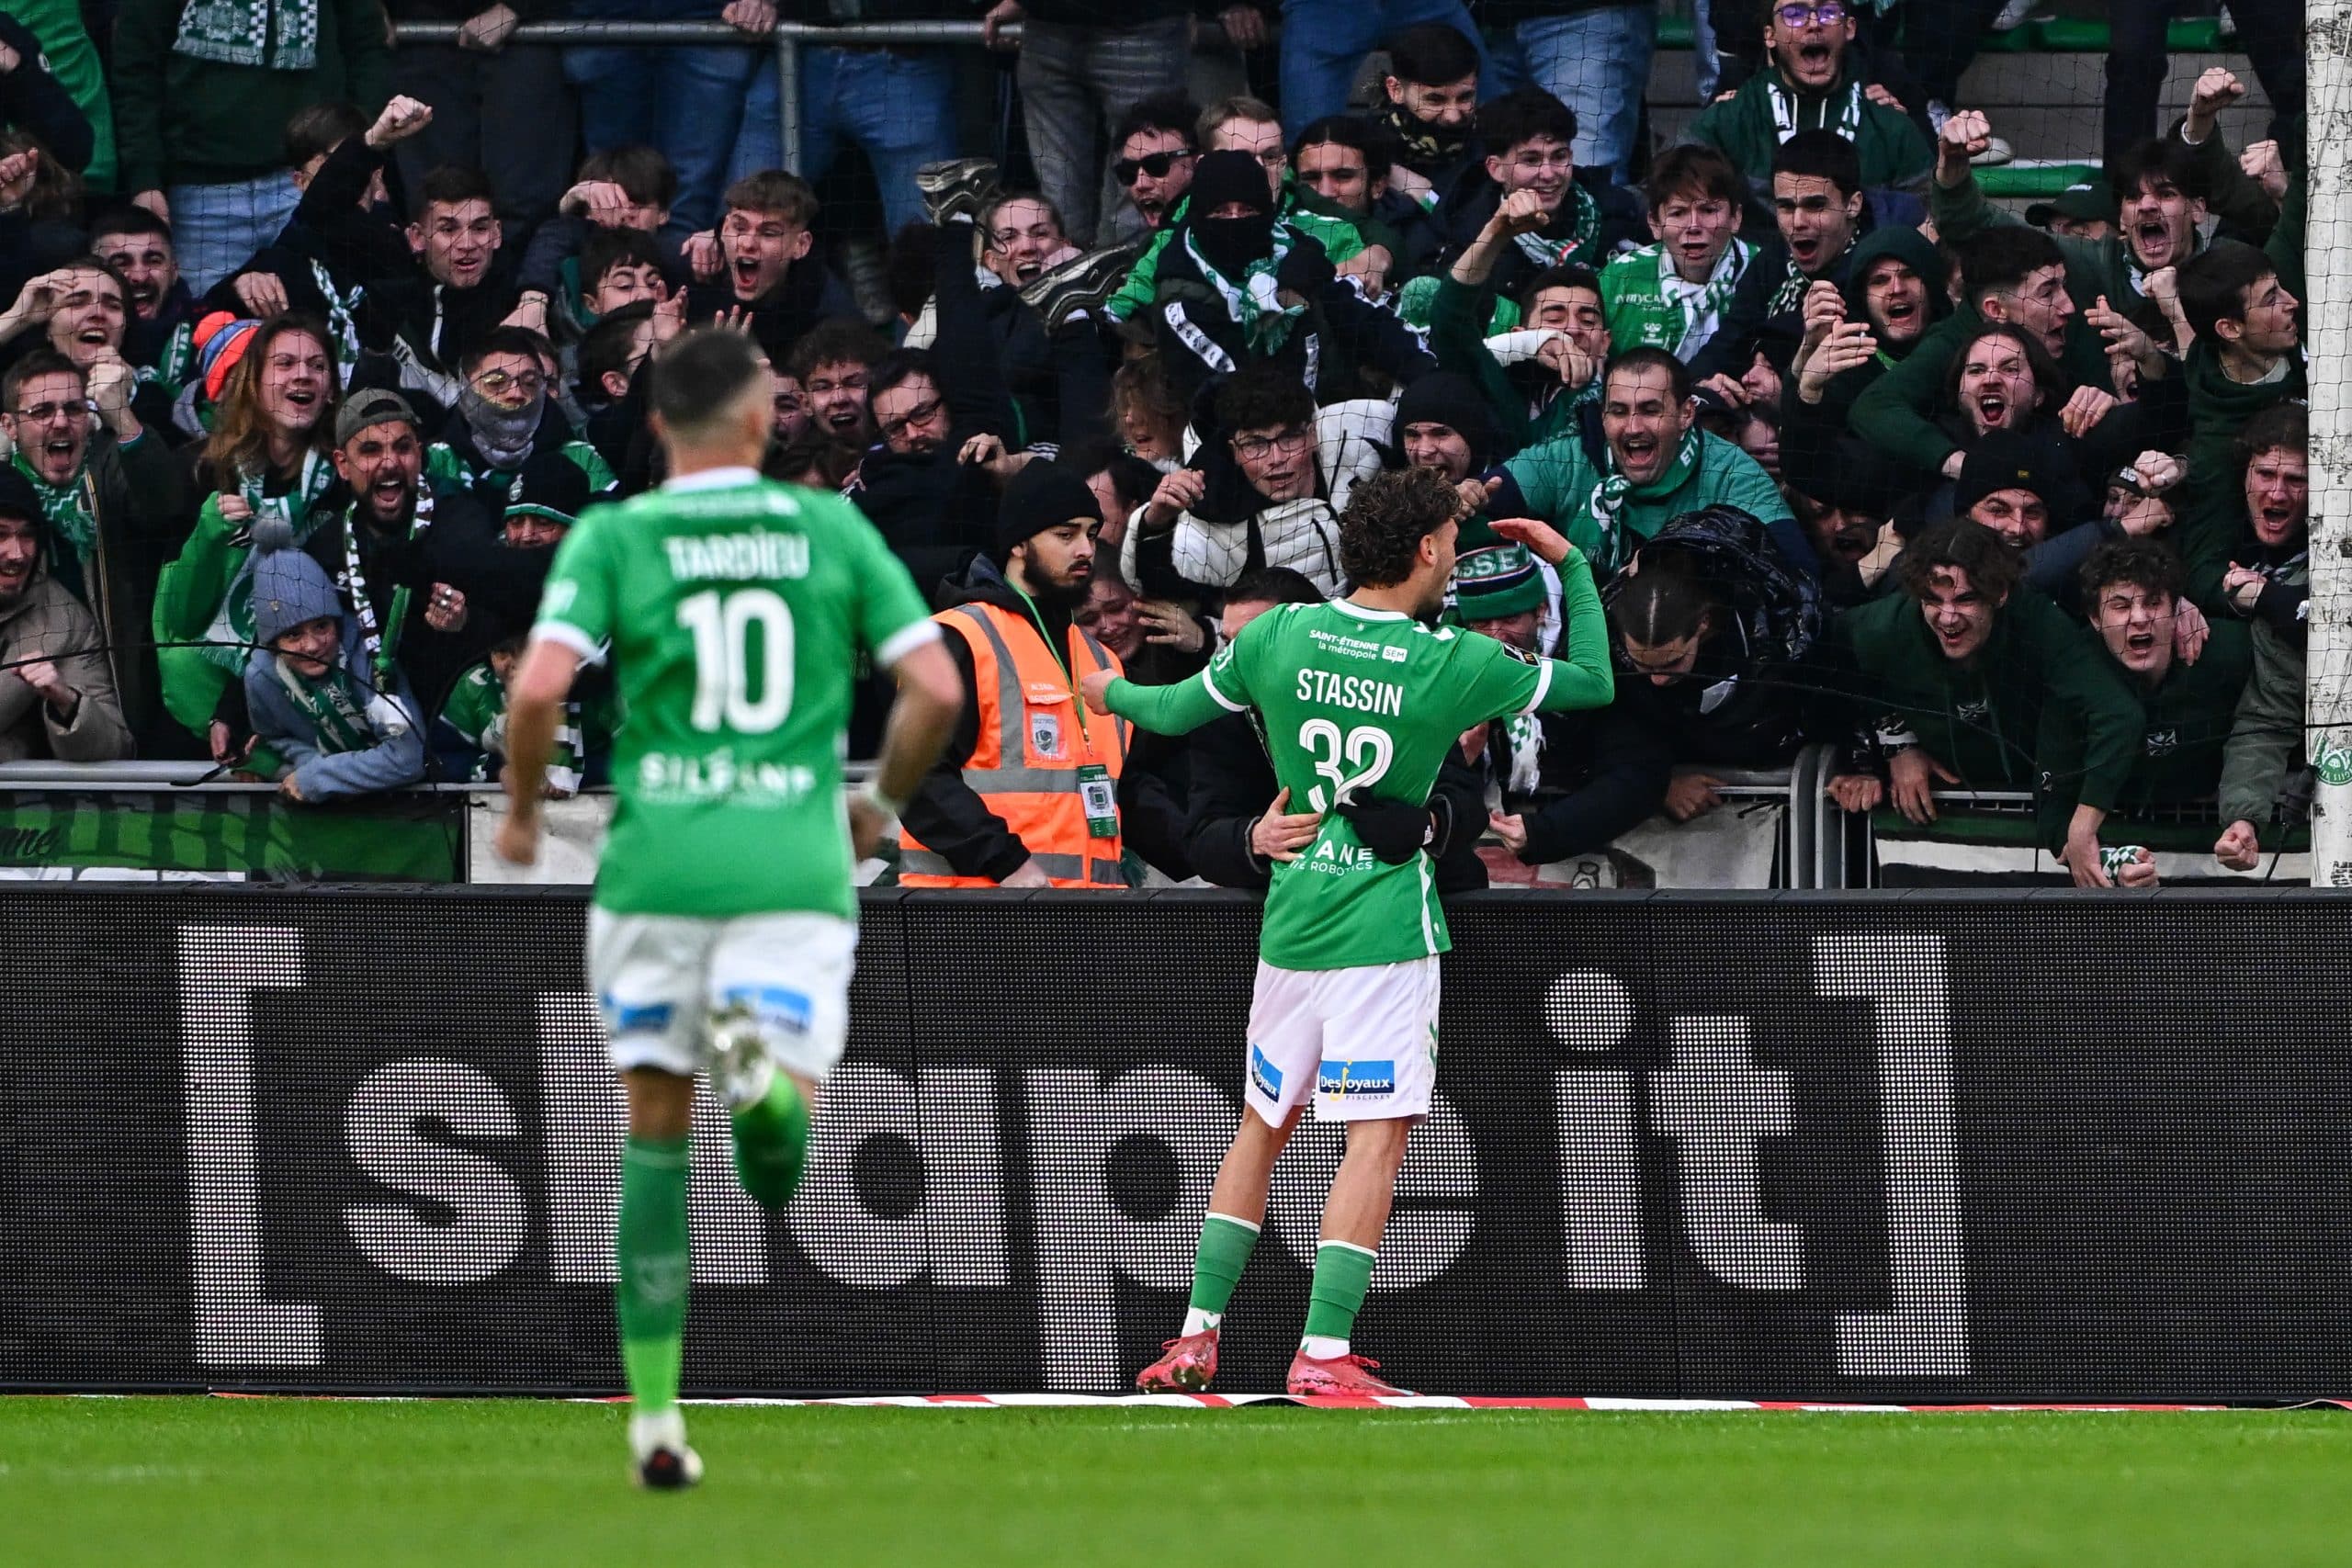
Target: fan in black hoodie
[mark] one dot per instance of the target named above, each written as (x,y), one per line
(764,272)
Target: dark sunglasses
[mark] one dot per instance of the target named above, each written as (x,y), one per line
(1156,165)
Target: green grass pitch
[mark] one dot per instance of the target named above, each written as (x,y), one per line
(122,1481)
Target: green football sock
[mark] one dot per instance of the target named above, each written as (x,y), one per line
(1343,1276)
(1225,1250)
(772,1143)
(654,1268)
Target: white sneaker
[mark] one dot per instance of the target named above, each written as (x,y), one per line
(659,1457)
(1997,153)
(2014,14)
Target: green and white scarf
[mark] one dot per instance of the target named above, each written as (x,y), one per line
(1581,246)
(477,710)
(67,506)
(282,35)
(382,642)
(1650,303)
(1784,112)
(343,324)
(333,704)
(1608,498)
(175,365)
(230,639)
(1264,320)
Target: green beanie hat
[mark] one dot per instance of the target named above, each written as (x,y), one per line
(1496,580)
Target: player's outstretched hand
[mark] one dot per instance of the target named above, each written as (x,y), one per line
(1541,539)
(1095,686)
(1392,829)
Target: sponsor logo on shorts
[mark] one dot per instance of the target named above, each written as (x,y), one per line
(653,1018)
(773,1006)
(1357,1077)
(1267,1077)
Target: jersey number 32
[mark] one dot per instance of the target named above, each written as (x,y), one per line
(1367,749)
(725,680)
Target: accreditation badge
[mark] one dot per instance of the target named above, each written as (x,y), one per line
(1101,798)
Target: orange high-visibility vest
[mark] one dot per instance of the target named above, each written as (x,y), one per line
(1035,735)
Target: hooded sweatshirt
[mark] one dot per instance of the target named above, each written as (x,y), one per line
(337,735)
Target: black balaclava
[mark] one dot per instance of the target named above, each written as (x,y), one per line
(1230,244)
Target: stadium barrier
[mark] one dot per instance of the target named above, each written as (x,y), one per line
(173,821)
(1785,1147)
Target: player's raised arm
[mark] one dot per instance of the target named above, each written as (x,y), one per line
(1581,677)
(1176,709)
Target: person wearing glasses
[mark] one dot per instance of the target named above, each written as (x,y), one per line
(1250,125)
(1809,84)
(505,415)
(110,497)
(1265,490)
(1153,166)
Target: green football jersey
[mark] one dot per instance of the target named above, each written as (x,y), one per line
(736,608)
(1361,701)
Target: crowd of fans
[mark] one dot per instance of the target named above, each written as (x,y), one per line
(318,346)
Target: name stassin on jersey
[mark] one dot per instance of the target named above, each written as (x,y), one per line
(1356,691)
(755,556)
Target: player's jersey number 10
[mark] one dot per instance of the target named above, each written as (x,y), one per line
(1367,750)
(724,679)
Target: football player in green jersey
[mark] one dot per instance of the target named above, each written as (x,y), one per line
(1360,699)
(724,920)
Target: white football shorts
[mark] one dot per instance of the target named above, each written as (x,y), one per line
(1362,1042)
(662,980)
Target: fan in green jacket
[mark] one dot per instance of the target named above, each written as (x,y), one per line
(1967,678)
(1653,464)
(2166,188)
(1810,86)
(204,614)
(2134,592)
(2248,356)
(2008,273)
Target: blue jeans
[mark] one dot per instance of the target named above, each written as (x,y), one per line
(1076,83)
(216,229)
(687,102)
(898,105)
(1597,63)
(1325,42)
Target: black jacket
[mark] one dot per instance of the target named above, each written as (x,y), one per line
(1463,210)
(1339,332)
(808,294)
(954,822)
(463,547)
(1747,701)
(1232,783)
(1598,774)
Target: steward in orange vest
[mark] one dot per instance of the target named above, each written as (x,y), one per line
(1027,793)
